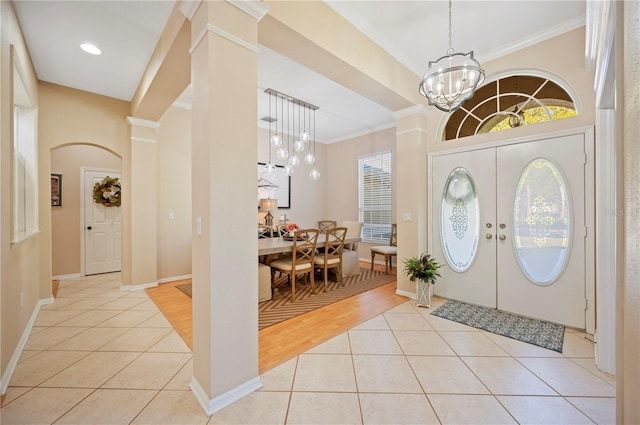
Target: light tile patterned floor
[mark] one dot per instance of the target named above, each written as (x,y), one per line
(99,355)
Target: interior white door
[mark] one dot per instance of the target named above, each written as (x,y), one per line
(542,230)
(102,233)
(463,210)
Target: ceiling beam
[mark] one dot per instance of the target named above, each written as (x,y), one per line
(339,51)
(169,70)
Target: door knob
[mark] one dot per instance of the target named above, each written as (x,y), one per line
(502,237)
(488,236)
(489,225)
(502,225)
(88,227)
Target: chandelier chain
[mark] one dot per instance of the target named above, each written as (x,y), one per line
(450,50)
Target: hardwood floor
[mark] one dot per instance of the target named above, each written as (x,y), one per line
(285,340)
(176,307)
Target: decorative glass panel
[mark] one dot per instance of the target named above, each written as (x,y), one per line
(460,220)
(542,222)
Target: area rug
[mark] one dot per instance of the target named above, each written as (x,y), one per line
(533,331)
(280,308)
(186,288)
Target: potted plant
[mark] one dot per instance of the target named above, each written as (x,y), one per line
(424,270)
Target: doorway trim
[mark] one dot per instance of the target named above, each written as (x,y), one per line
(83,195)
(589,193)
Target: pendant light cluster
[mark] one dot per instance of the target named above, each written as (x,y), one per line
(293,136)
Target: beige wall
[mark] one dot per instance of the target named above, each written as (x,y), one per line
(71,117)
(342,177)
(21,280)
(174,194)
(66,233)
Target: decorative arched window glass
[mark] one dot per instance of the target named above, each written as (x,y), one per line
(510,102)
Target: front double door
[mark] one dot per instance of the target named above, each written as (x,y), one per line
(509,225)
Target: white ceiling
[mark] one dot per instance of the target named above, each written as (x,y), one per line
(412,31)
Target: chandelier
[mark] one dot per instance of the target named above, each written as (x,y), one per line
(298,122)
(452,79)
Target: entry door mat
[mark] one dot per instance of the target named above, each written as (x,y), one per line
(533,331)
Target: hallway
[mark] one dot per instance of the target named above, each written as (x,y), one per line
(102,356)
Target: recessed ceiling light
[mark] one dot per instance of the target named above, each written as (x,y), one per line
(90,48)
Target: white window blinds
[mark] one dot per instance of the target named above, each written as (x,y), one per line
(374,196)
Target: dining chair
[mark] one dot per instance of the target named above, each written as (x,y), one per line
(281,231)
(331,258)
(301,260)
(388,251)
(265,231)
(350,254)
(326,224)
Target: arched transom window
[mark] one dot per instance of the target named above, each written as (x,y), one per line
(510,102)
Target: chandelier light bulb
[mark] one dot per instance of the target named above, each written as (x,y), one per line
(276,141)
(304,136)
(294,161)
(271,167)
(289,170)
(314,174)
(298,146)
(309,158)
(282,153)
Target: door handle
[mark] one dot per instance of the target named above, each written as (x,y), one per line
(502,237)
(488,236)
(89,227)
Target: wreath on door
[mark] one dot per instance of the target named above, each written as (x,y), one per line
(107,192)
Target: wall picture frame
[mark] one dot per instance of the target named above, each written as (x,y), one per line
(276,185)
(56,190)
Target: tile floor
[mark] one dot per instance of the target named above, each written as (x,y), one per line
(102,356)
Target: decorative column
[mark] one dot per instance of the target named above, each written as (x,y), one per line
(411,189)
(224,78)
(628,342)
(142,208)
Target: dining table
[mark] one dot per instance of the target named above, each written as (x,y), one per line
(280,245)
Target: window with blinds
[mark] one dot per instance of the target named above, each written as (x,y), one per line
(374,196)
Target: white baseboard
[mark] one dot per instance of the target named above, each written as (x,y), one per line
(67,276)
(411,295)
(211,406)
(174,278)
(13,362)
(140,287)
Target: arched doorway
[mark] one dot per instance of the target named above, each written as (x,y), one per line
(67,218)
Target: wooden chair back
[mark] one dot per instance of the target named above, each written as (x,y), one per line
(326,224)
(264,231)
(334,243)
(281,231)
(393,240)
(304,247)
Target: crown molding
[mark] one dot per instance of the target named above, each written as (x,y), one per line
(143,139)
(188,7)
(143,123)
(255,8)
(555,31)
(411,110)
(223,34)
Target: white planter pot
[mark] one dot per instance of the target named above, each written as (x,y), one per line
(423,293)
